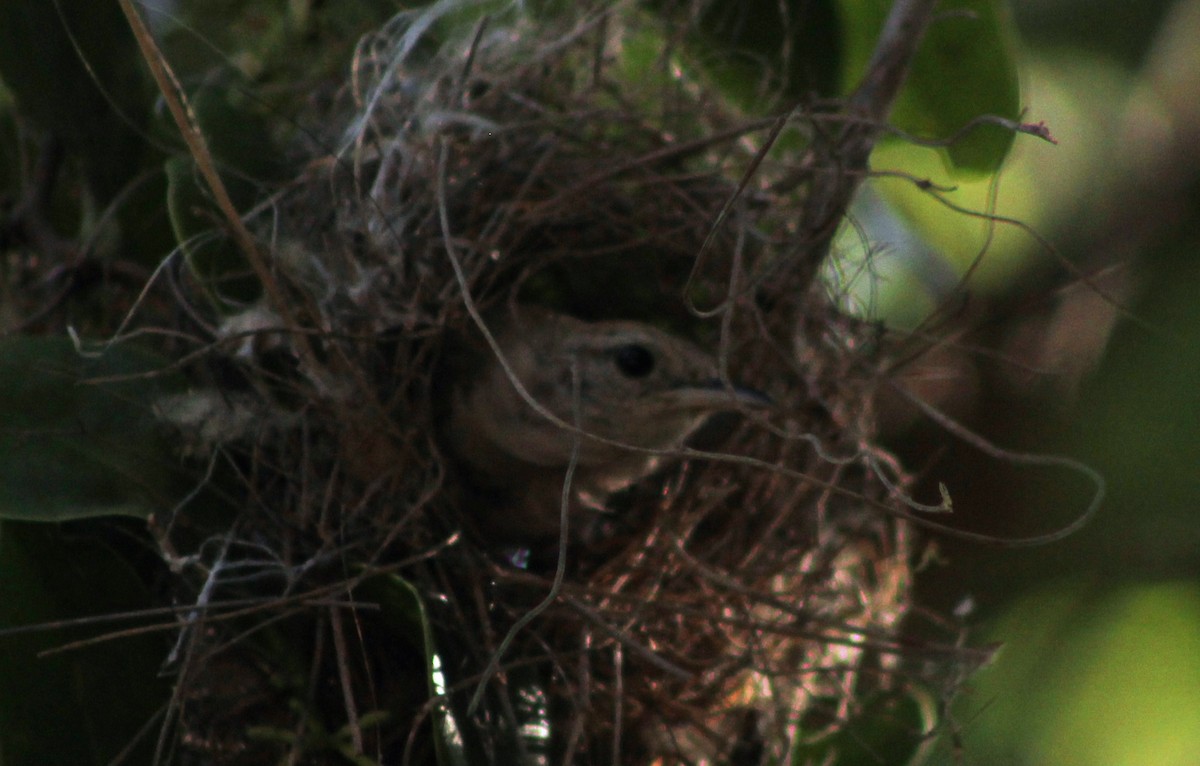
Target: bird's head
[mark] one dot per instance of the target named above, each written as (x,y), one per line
(622,381)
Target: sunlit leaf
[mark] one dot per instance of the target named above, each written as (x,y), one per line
(964,69)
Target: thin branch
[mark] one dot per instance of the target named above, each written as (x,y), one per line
(189,129)
(850,148)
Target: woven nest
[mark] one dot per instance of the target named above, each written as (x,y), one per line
(731,605)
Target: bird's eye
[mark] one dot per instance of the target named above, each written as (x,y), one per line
(634,361)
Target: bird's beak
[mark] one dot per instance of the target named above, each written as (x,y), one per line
(715,395)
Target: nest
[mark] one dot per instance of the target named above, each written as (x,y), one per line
(737,603)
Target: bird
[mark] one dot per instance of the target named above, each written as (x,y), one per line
(606,393)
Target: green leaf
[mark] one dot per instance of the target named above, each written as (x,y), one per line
(72,447)
(758,52)
(235,128)
(407,622)
(211,256)
(766,47)
(1089,674)
(87,705)
(303,42)
(74,69)
(888,727)
(964,69)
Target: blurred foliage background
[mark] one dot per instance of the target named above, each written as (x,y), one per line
(1093,350)
(1081,336)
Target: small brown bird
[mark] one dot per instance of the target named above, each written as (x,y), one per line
(611,386)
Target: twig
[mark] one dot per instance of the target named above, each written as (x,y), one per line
(850,147)
(186,122)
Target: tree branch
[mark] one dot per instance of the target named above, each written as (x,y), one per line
(839,160)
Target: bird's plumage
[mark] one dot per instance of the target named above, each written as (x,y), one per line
(611,386)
